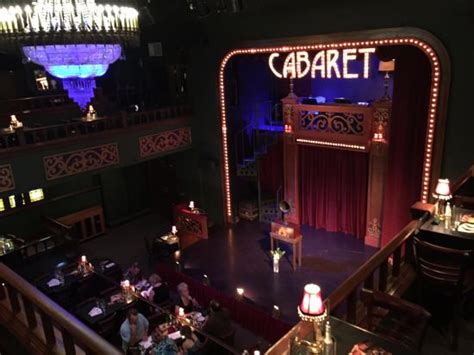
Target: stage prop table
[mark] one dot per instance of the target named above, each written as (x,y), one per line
(192,225)
(288,233)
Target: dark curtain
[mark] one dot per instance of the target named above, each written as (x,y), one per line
(334,189)
(271,168)
(407,137)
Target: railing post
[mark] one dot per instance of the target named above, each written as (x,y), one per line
(352,307)
(14,302)
(369,282)
(383,275)
(397,259)
(68,342)
(48,330)
(30,313)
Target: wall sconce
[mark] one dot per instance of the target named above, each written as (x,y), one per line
(276,313)
(205,280)
(387,68)
(240,293)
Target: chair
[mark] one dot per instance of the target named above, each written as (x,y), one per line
(443,270)
(395,318)
(107,326)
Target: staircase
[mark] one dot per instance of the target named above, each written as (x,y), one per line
(253,142)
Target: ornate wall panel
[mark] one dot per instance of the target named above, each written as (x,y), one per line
(164,141)
(7,182)
(332,122)
(80,161)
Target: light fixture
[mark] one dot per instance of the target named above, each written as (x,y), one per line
(174,230)
(386,67)
(191,205)
(312,309)
(240,293)
(75,40)
(276,313)
(442,195)
(205,280)
(15,123)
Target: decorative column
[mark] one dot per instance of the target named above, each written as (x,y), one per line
(377,172)
(290,158)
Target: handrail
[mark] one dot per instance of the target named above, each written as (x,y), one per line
(347,290)
(82,336)
(357,278)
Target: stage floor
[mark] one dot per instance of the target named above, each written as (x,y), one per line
(239,257)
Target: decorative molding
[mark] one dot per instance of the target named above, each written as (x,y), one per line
(332,122)
(164,141)
(7,182)
(80,161)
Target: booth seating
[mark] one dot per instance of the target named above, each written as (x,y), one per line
(246,315)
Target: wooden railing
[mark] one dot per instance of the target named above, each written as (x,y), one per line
(78,128)
(388,270)
(42,325)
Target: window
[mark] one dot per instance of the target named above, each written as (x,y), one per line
(12,201)
(36,195)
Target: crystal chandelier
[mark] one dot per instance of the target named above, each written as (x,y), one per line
(75,40)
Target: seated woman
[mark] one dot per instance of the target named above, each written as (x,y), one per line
(218,323)
(134,274)
(162,344)
(157,292)
(191,344)
(185,300)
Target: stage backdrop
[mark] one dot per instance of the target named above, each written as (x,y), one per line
(334,189)
(407,137)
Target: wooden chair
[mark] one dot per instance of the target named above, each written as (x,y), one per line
(443,270)
(395,318)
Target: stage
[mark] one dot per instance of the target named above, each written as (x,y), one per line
(239,257)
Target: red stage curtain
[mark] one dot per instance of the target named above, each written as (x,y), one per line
(334,189)
(407,138)
(271,168)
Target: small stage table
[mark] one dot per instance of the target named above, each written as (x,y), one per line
(192,225)
(291,234)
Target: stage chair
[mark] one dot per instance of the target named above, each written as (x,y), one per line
(443,271)
(395,318)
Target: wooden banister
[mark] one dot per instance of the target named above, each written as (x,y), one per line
(54,319)
(347,292)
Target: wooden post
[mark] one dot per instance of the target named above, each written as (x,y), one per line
(291,191)
(377,173)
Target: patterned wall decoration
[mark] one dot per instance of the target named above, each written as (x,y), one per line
(332,122)
(7,182)
(164,141)
(80,161)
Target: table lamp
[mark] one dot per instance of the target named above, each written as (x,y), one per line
(386,67)
(442,195)
(312,309)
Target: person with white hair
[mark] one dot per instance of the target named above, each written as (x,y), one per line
(185,300)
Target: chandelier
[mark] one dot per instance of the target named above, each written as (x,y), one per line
(75,40)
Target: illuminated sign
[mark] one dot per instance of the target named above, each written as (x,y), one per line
(325,64)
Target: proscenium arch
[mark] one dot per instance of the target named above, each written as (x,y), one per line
(421,39)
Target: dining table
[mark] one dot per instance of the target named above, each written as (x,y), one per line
(98,309)
(347,335)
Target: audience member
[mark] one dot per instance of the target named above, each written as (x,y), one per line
(191,344)
(158,291)
(162,344)
(134,274)
(185,301)
(218,322)
(133,330)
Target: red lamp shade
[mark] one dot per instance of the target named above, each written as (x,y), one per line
(443,188)
(312,303)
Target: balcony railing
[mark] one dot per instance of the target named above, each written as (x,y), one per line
(28,136)
(388,271)
(43,326)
